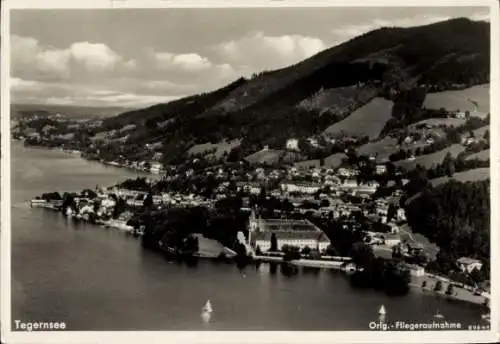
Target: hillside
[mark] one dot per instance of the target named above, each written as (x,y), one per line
(475,99)
(368,120)
(354,88)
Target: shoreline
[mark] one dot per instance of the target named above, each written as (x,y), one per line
(73,153)
(415,284)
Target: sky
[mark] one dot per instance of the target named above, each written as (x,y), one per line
(140,57)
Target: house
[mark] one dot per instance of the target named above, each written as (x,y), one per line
(156,167)
(380,169)
(292,144)
(354,186)
(313,142)
(400,214)
(408,139)
(469,264)
(467,141)
(347,172)
(416,270)
(414,248)
(391,239)
(305,188)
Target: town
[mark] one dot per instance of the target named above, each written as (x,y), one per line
(349,218)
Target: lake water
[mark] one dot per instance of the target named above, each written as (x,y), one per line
(97,279)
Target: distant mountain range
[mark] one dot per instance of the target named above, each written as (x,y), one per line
(354,88)
(69,111)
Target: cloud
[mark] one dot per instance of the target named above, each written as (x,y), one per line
(258,51)
(28,56)
(31,60)
(350,31)
(190,62)
(94,56)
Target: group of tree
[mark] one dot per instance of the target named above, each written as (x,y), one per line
(455,216)
(388,276)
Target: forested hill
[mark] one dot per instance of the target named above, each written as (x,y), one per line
(306,98)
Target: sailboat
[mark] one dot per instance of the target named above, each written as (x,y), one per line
(438,315)
(208,307)
(206,313)
(381,311)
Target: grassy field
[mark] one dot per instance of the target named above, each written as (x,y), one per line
(476,174)
(475,99)
(220,147)
(368,120)
(428,160)
(266,156)
(209,247)
(482,155)
(382,148)
(332,161)
(449,122)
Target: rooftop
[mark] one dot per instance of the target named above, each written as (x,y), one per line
(467,260)
(272,225)
(287,235)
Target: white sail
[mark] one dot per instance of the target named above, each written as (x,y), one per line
(208,307)
(438,315)
(381,311)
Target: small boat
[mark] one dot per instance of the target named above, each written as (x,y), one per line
(382,311)
(438,315)
(208,307)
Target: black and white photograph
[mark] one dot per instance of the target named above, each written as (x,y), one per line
(202,169)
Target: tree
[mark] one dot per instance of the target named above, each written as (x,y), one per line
(274,243)
(449,290)
(449,164)
(396,251)
(486,135)
(119,208)
(438,286)
(306,250)
(148,201)
(362,254)
(191,245)
(391,211)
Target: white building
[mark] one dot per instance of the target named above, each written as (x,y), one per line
(347,172)
(305,188)
(392,240)
(298,233)
(156,168)
(469,264)
(352,185)
(415,270)
(401,215)
(381,169)
(252,188)
(312,240)
(292,144)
